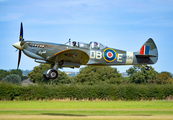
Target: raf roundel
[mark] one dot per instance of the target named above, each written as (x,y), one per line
(109,55)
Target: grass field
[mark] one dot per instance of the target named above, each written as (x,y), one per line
(86,110)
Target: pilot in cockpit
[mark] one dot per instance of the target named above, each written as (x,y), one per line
(96,45)
(74,43)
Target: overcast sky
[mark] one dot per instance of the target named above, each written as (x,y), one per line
(120,24)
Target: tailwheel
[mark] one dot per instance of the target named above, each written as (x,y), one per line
(146,67)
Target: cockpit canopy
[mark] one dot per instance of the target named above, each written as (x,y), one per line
(96,45)
(91,45)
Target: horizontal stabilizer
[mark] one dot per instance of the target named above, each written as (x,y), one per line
(145,56)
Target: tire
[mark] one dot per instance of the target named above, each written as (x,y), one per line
(45,77)
(53,74)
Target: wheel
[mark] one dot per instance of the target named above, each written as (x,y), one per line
(45,77)
(53,74)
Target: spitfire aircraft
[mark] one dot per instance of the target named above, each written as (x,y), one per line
(79,53)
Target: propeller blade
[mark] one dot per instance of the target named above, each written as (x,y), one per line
(19,59)
(20,40)
(21,32)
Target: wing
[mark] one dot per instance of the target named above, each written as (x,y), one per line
(70,58)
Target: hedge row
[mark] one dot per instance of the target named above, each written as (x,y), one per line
(85,92)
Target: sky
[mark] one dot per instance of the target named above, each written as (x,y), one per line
(119,24)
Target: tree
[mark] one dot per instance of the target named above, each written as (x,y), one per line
(12,78)
(97,74)
(139,75)
(164,77)
(36,75)
(4,73)
(19,72)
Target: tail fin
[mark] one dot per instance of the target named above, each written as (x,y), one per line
(149,50)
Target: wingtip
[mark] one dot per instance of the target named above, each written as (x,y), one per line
(21,21)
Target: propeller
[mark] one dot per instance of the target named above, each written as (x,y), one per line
(20,39)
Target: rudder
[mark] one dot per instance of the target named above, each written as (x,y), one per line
(148,50)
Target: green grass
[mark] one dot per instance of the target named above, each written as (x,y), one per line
(86,108)
(160,104)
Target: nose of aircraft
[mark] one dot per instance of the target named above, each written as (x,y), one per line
(17,45)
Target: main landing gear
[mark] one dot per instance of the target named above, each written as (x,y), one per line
(52,72)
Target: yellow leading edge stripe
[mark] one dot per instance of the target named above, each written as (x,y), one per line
(61,52)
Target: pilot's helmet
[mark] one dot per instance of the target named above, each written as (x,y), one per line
(74,42)
(95,43)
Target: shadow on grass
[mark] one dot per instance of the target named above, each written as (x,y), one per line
(139,115)
(62,114)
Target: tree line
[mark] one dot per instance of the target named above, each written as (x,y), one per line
(9,91)
(92,75)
